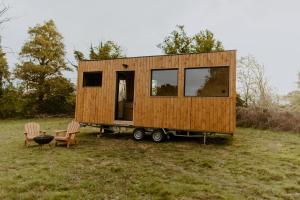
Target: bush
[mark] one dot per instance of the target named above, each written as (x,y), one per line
(262,118)
(10,103)
(59,100)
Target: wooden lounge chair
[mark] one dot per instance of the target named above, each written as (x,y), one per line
(67,136)
(32,130)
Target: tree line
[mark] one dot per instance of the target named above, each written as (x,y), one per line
(36,85)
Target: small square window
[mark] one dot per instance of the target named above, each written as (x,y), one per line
(92,79)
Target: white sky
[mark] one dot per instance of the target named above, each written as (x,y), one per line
(267,29)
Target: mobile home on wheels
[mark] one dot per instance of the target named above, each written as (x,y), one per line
(183,95)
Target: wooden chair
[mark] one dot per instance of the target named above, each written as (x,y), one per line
(68,136)
(32,130)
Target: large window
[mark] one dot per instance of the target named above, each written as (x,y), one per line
(207,82)
(92,79)
(164,82)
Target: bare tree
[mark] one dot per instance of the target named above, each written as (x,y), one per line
(3,10)
(252,83)
(246,80)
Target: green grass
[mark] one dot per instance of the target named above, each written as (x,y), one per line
(254,164)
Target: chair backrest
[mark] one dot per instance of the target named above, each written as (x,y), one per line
(73,127)
(32,129)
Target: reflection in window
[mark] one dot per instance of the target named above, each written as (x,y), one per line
(207,82)
(164,82)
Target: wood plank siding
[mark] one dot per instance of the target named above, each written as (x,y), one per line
(96,105)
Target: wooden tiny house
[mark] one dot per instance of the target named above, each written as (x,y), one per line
(189,92)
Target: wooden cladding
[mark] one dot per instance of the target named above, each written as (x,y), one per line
(96,105)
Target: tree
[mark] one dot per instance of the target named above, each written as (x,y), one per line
(78,55)
(9,96)
(42,61)
(105,50)
(11,102)
(60,94)
(245,76)
(253,86)
(4,72)
(3,11)
(206,42)
(178,42)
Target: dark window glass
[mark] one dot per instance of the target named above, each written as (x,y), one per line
(92,79)
(207,82)
(164,82)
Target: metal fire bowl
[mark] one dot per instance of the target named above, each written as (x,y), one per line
(43,139)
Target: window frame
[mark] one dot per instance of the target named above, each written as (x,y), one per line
(228,86)
(90,72)
(163,69)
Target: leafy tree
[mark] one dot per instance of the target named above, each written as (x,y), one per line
(105,50)
(4,72)
(78,55)
(42,62)
(178,42)
(56,90)
(11,102)
(206,42)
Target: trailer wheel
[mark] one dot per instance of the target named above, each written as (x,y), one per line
(158,135)
(138,134)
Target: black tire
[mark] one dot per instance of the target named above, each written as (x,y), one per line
(138,134)
(158,136)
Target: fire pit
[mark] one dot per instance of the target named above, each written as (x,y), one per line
(43,139)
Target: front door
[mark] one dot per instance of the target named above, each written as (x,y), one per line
(124,96)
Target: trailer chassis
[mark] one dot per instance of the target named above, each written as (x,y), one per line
(158,134)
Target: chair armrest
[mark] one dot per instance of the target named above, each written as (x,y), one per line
(43,132)
(60,132)
(73,133)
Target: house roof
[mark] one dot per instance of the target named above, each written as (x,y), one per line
(86,60)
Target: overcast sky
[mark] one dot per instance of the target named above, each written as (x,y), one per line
(267,29)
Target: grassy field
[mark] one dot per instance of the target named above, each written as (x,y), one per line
(253,164)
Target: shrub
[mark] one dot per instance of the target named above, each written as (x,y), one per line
(263,118)
(10,103)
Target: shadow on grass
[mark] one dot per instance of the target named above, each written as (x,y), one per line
(219,139)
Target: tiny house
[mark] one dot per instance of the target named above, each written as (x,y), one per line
(182,94)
